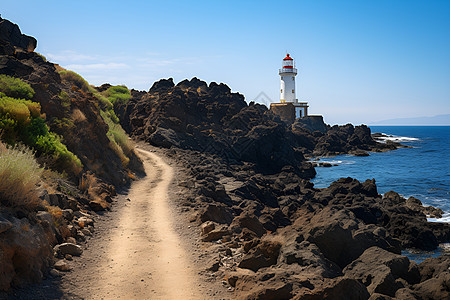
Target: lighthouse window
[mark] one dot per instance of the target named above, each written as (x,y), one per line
(281,77)
(293,91)
(293,78)
(281,90)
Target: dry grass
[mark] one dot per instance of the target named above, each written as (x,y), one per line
(86,181)
(78,115)
(55,212)
(120,142)
(19,175)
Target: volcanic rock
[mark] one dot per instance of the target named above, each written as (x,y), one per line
(263,255)
(68,248)
(379,270)
(62,265)
(25,252)
(10,33)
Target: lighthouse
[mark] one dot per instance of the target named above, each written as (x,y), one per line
(289,109)
(288,73)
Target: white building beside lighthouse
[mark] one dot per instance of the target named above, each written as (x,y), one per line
(287,74)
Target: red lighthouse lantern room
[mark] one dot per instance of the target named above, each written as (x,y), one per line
(288,62)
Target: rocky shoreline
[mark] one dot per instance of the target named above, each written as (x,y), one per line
(274,235)
(269,231)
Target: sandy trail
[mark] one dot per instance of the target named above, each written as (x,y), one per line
(144,257)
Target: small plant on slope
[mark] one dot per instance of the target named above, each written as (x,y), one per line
(19,175)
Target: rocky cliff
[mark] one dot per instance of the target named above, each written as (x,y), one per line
(193,115)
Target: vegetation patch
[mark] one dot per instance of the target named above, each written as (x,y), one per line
(76,80)
(65,99)
(15,88)
(118,94)
(21,121)
(107,101)
(120,143)
(19,175)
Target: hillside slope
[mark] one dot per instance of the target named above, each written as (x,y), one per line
(62,122)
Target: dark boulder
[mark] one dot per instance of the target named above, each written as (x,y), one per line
(263,255)
(339,288)
(379,270)
(341,238)
(10,33)
(312,123)
(216,213)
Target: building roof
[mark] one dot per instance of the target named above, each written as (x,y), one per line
(287,57)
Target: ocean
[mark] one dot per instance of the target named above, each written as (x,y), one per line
(422,171)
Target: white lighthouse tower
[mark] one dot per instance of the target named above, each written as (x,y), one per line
(288,73)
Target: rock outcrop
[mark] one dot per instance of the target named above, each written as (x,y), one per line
(11,37)
(281,238)
(77,120)
(210,118)
(25,251)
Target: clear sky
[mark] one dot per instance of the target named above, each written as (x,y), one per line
(358,61)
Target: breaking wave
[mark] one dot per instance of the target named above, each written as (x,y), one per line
(398,139)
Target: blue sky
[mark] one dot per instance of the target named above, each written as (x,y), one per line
(358,61)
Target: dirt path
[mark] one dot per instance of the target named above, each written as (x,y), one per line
(145,258)
(144,248)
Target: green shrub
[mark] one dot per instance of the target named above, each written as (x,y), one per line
(15,109)
(38,135)
(65,99)
(118,94)
(19,175)
(105,104)
(19,109)
(20,120)
(63,124)
(120,143)
(76,80)
(50,144)
(15,87)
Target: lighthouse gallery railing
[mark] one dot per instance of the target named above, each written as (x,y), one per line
(286,70)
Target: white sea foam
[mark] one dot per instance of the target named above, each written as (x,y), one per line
(394,138)
(445,246)
(445,219)
(339,162)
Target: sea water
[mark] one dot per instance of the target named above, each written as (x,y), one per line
(422,171)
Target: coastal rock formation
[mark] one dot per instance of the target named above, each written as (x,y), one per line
(383,272)
(251,195)
(318,139)
(299,242)
(210,118)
